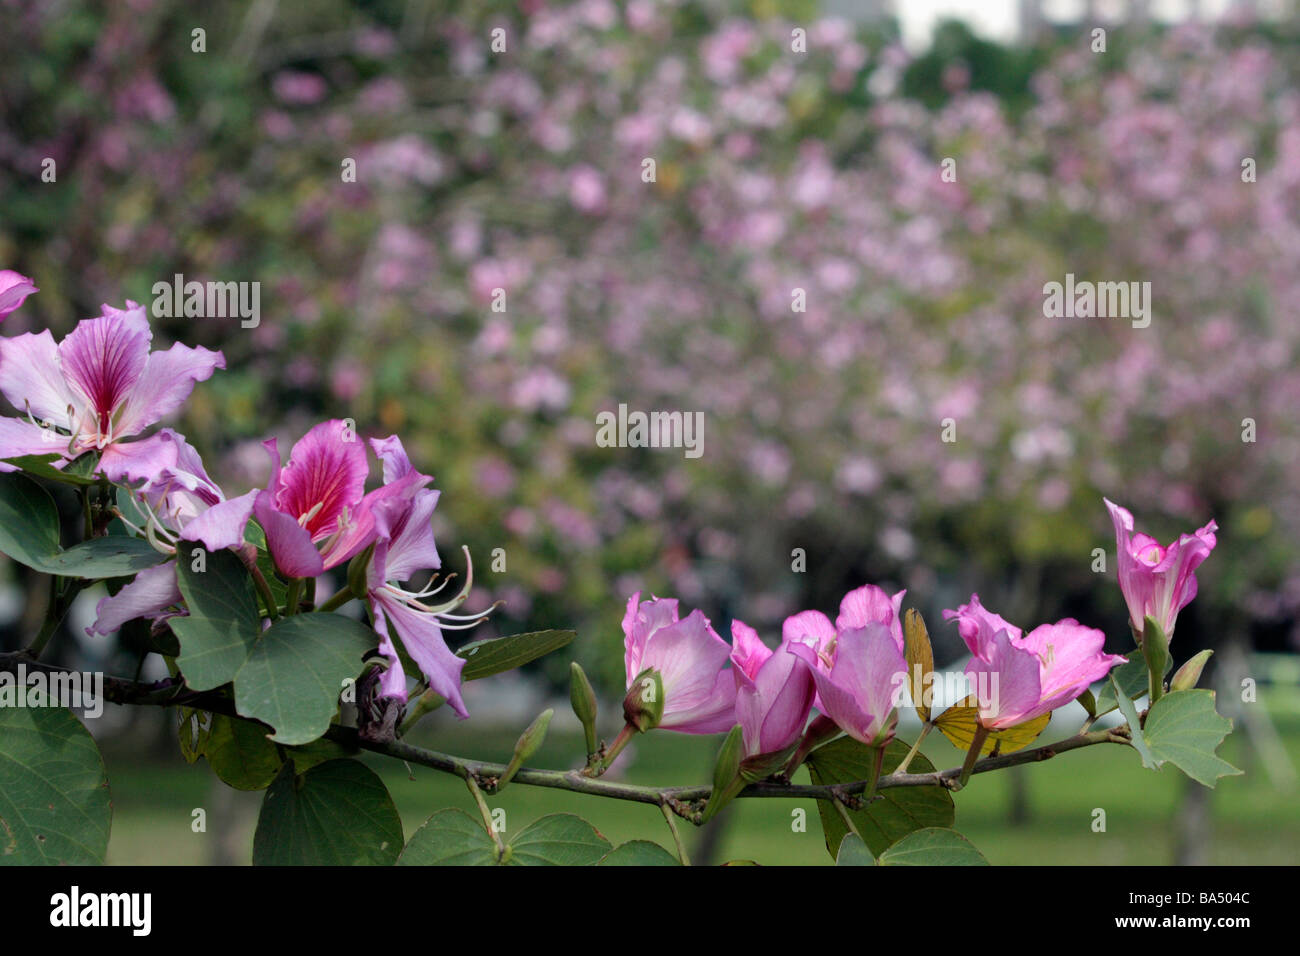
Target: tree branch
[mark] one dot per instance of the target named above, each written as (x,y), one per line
(686,802)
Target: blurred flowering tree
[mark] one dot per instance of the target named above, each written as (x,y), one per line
(776,171)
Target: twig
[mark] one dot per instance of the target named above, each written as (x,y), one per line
(172,692)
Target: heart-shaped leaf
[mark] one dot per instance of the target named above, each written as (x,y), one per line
(853,852)
(899,811)
(54,799)
(240,753)
(450,838)
(933,846)
(639,853)
(294,674)
(338,813)
(560,839)
(224,622)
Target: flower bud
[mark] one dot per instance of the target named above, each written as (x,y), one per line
(1189,675)
(727,779)
(1155,648)
(583,699)
(527,745)
(643,707)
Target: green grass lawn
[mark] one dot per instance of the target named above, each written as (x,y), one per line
(1253,823)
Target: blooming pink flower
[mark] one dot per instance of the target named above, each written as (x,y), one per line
(1157,581)
(858,689)
(1018,677)
(315,511)
(860,607)
(97,387)
(14,288)
(404,545)
(774,693)
(698,696)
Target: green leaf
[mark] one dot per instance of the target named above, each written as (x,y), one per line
(240,753)
(1184,728)
(853,852)
(112,556)
(29,533)
(450,838)
(336,814)
(1133,680)
(54,798)
(77,472)
(897,812)
(560,839)
(293,676)
(29,521)
(933,846)
(1134,725)
(638,853)
(223,624)
(485,658)
(309,755)
(1155,648)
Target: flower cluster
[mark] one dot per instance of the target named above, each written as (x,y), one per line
(91,398)
(854,671)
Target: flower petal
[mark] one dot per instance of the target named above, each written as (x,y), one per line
(102,360)
(19,438)
(290,545)
(14,288)
(1006,684)
(149,595)
(641,619)
(422,638)
(325,476)
(407,526)
(31,377)
(222,525)
(748,652)
(136,461)
(978,626)
(167,381)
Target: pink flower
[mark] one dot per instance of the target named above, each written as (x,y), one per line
(315,511)
(14,288)
(1018,677)
(858,690)
(1157,581)
(774,693)
(97,387)
(859,608)
(404,546)
(183,503)
(698,696)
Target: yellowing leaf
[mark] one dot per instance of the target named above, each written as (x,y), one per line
(958,724)
(920,660)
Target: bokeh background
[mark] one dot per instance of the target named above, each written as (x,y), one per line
(775,170)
